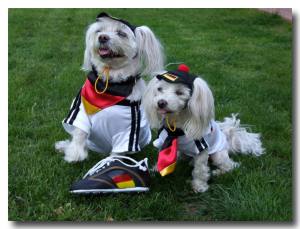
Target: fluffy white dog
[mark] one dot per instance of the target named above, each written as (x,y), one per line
(182,106)
(105,116)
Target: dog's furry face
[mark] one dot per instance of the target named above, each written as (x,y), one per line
(110,43)
(170,98)
(193,111)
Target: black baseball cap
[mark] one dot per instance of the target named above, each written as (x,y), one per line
(181,75)
(103,14)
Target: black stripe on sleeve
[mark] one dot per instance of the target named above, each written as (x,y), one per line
(138,128)
(74,105)
(75,112)
(132,131)
(201,144)
(204,143)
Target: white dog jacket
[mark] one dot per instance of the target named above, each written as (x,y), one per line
(113,123)
(214,141)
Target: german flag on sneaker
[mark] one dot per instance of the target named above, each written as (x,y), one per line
(114,174)
(123,181)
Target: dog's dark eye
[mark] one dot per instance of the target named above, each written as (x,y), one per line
(159,89)
(121,34)
(179,93)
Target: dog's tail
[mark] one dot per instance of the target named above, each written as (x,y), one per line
(240,140)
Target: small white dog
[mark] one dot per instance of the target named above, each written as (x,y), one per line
(182,106)
(106,116)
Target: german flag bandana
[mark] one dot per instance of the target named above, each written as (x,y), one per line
(116,93)
(167,156)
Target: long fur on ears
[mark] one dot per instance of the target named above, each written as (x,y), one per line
(201,108)
(87,59)
(148,104)
(150,50)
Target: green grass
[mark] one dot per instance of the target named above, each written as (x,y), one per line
(246,57)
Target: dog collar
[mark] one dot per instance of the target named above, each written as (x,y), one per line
(181,75)
(123,88)
(103,14)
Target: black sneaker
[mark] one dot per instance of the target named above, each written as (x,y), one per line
(114,174)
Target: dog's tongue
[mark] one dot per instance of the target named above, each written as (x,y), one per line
(162,111)
(104,51)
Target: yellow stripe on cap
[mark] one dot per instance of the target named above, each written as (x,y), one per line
(168,170)
(126,184)
(170,76)
(89,108)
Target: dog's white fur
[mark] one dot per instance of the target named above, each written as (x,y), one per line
(193,115)
(141,53)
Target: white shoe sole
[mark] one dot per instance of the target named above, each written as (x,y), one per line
(95,191)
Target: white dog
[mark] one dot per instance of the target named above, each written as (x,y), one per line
(182,105)
(105,116)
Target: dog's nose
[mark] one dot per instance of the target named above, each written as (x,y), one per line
(162,103)
(103,38)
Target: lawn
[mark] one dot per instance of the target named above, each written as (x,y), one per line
(245,56)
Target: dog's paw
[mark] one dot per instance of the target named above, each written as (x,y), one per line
(225,169)
(199,186)
(61,145)
(217,172)
(75,154)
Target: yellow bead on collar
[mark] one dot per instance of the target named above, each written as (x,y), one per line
(106,73)
(168,124)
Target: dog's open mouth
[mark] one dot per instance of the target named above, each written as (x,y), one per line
(107,53)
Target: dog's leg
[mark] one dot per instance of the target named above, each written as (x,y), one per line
(223,162)
(154,168)
(76,149)
(200,173)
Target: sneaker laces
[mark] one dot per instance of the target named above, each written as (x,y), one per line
(106,161)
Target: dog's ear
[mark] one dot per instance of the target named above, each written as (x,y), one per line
(150,50)
(87,63)
(200,108)
(149,106)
